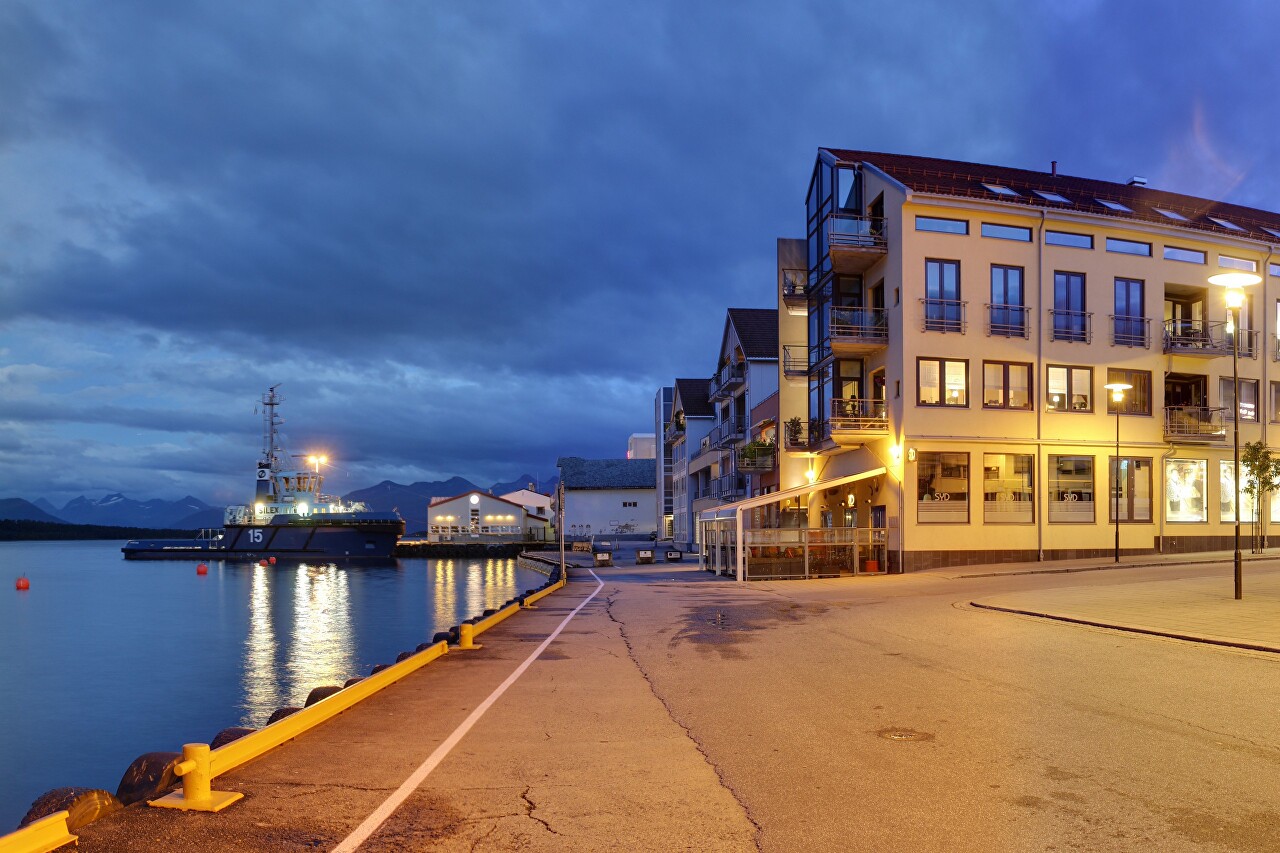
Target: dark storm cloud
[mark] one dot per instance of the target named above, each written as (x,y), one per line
(472,237)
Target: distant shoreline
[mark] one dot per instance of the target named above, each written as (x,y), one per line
(38,531)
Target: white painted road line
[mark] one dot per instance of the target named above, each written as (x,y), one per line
(384,811)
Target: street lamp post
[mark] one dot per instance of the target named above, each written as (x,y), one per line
(1235,282)
(1117,390)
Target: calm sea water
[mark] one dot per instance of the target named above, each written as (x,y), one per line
(103,659)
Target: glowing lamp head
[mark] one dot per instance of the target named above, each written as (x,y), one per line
(811,475)
(302,508)
(1117,390)
(258,508)
(475,499)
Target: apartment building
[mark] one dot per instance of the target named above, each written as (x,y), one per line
(663,505)
(691,420)
(946,330)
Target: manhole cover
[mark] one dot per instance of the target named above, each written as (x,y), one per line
(903,734)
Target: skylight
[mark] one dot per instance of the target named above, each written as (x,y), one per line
(1114,205)
(1271,231)
(1224,223)
(1170,214)
(1051,196)
(999,190)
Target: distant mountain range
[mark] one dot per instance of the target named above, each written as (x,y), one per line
(191,513)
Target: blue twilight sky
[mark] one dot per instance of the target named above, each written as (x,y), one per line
(468,237)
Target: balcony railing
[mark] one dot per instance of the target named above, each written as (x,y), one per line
(795,360)
(855,242)
(943,315)
(795,291)
(857,331)
(853,415)
(1007,321)
(1195,423)
(727,378)
(1075,326)
(726,433)
(728,487)
(757,459)
(1130,331)
(796,436)
(1200,338)
(674,430)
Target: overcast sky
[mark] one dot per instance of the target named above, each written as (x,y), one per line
(469,237)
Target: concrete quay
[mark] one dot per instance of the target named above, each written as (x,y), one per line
(679,711)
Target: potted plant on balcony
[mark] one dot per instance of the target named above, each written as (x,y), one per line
(793,430)
(756,452)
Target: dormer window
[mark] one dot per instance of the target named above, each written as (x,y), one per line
(1001,191)
(1114,205)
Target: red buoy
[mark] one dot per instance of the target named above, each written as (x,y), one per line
(202,569)
(262,563)
(22,583)
(271,560)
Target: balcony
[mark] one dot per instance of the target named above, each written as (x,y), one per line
(756,458)
(1073,326)
(674,430)
(795,360)
(795,292)
(796,436)
(1007,321)
(726,433)
(1130,331)
(854,421)
(726,380)
(1194,424)
(943,315)
(1198,339)
(858,331)
(729,487)
(855,243)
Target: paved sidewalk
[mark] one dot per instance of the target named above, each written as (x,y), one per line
(1202,609)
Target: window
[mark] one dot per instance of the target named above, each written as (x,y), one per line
(1008,316)
(1248,398)
(999,190)
(1227,493)
(1169,214)
(1228,262)
(1008,496)
(1132,497)
(942,382)
(1128,247)
(1275,404)
(942,488)
(1070,489)
(1048,196)
(1006,385)
(1190,256)
(943,311)
(626,504)
(1129,323)
(1273,269)
(942,226)
(1137,400)
(1070,321)
(1068,238)
(1006,232)
(1184,481)
(1069,389)
(1225,223)
(1113,205)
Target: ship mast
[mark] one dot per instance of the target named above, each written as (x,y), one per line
(271,449)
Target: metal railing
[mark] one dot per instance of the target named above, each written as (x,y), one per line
(795,359)
(859,324)
(943,315)
(1201,422)
(1007,321)
(796,436)
(757,459)
(1075,326)
(726,433)
(727,377)
(795,285)
(812,552)
(1196,337)
(727,487)
(858,415)
(846,230)
(1130,331)
(673,431)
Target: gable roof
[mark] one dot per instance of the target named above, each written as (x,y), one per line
(579,473)
(957,178)
(483,494)
(757,330)
(693,394)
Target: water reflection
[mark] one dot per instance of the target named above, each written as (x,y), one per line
(261,682)
(443,593)
(323,648)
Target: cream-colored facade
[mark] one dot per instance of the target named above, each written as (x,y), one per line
(959,337)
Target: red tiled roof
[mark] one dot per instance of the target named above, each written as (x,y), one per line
(957,178)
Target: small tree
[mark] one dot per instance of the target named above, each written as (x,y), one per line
(1261,473)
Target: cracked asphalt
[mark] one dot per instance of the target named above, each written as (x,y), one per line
(681,712)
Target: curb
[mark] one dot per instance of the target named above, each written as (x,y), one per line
(1132,629)
(1172,564)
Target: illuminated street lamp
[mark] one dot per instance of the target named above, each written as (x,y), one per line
(1235,282)
(1117,390)
(317,461)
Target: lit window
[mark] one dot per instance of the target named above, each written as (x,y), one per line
(1070,489)
(1069,389)
(999,190)
(1114,205)
(1225,223)
(1170,214)
(942,382)
(1052,197)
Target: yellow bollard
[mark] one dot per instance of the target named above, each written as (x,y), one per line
(197,793)
(466,637)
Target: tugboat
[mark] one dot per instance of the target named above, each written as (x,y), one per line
(290,515)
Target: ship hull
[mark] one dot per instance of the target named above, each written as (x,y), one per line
(352,539)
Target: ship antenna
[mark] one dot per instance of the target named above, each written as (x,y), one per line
(270,422)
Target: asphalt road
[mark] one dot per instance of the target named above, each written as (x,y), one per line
(678,712)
